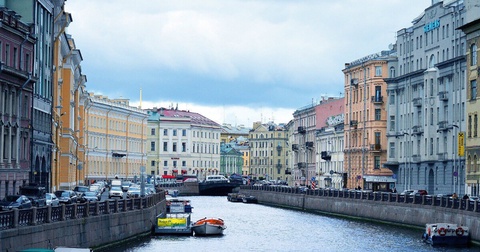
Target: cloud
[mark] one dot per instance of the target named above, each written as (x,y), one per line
(237,53)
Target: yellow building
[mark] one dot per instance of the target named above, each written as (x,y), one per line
(115,134)
(365,123)
(472,146)
(67,131)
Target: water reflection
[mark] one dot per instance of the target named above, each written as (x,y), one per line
(254,227)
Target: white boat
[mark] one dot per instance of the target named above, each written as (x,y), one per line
(208,226)
(446,234)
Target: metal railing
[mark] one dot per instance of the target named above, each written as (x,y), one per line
(433,200)
(48,214)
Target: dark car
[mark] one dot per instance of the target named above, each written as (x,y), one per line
(67,196)
(15,201)
(90,197)
(79,190)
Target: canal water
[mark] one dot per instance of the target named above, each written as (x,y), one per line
(254,227)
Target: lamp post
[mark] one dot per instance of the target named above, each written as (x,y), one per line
(455,171)
(407,185)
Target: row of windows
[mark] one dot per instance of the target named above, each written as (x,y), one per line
(210,135)
(10,56)
(195,163)
(101,123)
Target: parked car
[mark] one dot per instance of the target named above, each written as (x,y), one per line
(52,199)
(67,196)
(419,192)
(90,197)
(126,185)
(79,190)
(15,201)
(133,192)
(115,192)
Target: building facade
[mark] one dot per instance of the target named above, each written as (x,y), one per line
(426,102)
(182,142)
(366,122)
(304,170)
(231,159)
(268,152)
(116,136)
(471,28)
(16,86)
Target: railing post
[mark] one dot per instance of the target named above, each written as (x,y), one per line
(97,208)
(115,208)
(62,216)
(49,214)
(107,206)
(87,211)
(75,210)
(33,220)
(15,218)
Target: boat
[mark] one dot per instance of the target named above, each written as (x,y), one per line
(235,197)
(208,226)
(177,218)
(446,234)
(250,199)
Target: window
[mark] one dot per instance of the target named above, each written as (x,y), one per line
(184,132)
(152,146)
(473,89)
(174,164)
(392,150)
(378,114)
(152,163)
(392,123)
(165,132)
(475,125)
(165,146)
(377,162)
(378,70)
(152,132)
(174,132)
(184,147)
(165,163)
(184,163)
(174,147)
(473,55)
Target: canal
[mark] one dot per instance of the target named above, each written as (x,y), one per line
(254,227)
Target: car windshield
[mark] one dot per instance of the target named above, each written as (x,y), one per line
(48,196)
(90,194)
(116,188)
(65,194)
(81,189)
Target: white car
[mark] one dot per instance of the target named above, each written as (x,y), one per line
(115,192)
(52,199)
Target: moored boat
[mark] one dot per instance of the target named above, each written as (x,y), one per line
(235,197)
(208,226)
(446,234)
(250,199)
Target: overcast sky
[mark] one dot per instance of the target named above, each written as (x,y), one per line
(233,61)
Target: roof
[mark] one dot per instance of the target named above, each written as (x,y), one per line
(195,118)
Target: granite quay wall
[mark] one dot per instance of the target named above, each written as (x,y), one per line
(184,189)
(80,225)
(415,211)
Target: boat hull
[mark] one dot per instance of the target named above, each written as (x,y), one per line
(210,226)
(446,234)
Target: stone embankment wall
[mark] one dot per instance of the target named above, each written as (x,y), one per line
(89,232)
(391,212)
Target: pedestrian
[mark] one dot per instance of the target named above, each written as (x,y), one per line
(394,190)
(454,196)
(465,197)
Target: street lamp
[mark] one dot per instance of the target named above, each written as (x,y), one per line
(407,186)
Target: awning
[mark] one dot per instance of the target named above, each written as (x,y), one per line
(168,176)
(386,179)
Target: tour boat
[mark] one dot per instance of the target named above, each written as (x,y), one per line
(208,226)
(250,199)
(446,234)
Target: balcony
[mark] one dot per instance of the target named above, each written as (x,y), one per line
(354,82)
(326,155)
(279,148)
(288,171)
(376,147)
(353,123)
(443,95)
(309,145)
(442,126)
(302,130)
(294,147)
(417,129)
(442,156)
(417,102)
(416,158)
(377,99)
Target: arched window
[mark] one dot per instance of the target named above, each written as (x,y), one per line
(432,61)
(392,72)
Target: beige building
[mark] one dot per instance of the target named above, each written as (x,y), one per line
(116,135)
(365,123)
(472,144)
(182,143)
(268,152)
